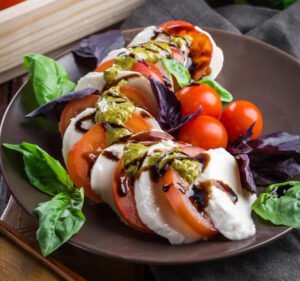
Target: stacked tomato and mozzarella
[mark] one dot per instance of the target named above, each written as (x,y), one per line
(155,191)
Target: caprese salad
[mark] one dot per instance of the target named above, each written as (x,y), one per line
(152,134)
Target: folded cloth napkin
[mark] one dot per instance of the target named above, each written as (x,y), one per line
(279,28)
(280,260)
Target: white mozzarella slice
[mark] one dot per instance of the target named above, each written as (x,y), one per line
(143,37)
(217,58)
(96,80)
(231,219)
(72,135)
(153,208)
(115,53)
(102,173)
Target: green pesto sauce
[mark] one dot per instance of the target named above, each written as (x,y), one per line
(150,52)
(134,154)
(116,134)
(121,63)
(181,42)
(187,168)
(114,107)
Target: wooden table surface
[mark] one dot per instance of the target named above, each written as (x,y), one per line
(87,265)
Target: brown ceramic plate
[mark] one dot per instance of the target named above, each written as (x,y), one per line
(252,70)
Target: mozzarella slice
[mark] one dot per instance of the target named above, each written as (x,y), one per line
(102,173)
(153,208)
(72,135)
(144,36)
(233,220)
(96,81)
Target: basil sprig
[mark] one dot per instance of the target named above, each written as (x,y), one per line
(225,96)
(280,204)
(49,79)
(178,70)
(61,217)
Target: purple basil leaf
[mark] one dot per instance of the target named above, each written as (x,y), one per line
(278,143)
(53,109)
(169,108)
(246,175)
(92,50)
(275,169)
(240,145)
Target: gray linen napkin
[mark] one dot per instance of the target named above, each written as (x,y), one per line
(280,260)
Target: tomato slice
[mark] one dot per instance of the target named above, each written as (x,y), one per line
(73,108)
(183,207)
(81,158)
(123,193)
(201,48)
(149,69)
(82,155)
(105,65)
(135,95)
(177,26)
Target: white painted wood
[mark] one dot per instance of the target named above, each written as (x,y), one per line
(43,26)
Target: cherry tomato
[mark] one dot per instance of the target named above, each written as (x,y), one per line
(123,194)
(182,206)
(201,48)
(195,96)
(73,108)
(238,116)
(204,131)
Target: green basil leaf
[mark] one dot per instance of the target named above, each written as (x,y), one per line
(59,219)
(178,70)
(42,170)
(222,92)
(280,204)
(49,79)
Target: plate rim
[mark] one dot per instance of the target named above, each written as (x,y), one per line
(127,258)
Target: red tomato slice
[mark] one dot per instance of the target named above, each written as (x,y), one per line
(123,193)
(183,207)
(149,69)
(105,65)
(136,96)
(81,158)
(177,26)
(73,108)
(201,48)
(176,54)
(83,154)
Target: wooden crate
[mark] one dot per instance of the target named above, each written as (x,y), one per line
(46,25)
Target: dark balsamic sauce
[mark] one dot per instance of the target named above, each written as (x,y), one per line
(150,136)
(166,187)
(204,159)
(110,155)
(78,123)
(124,184)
